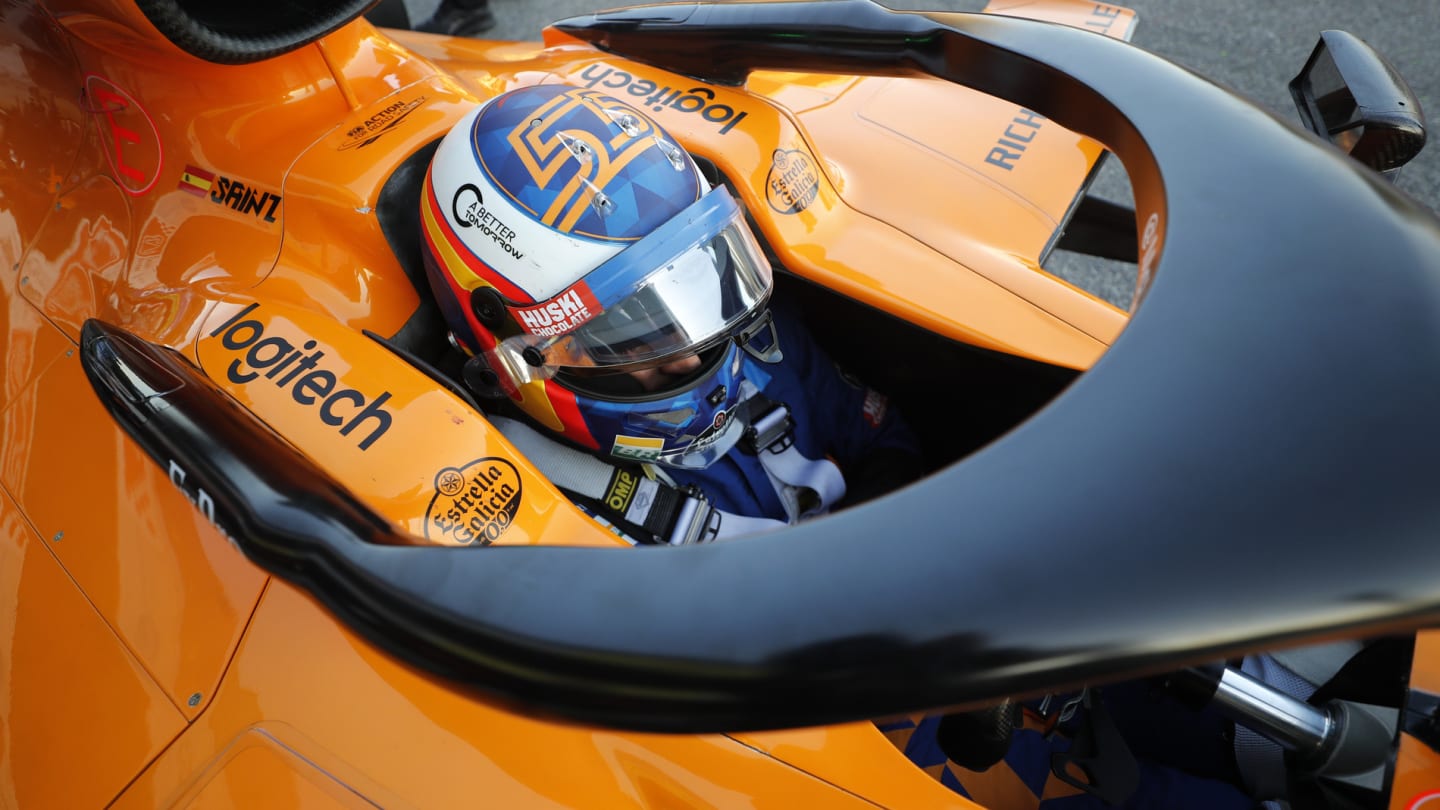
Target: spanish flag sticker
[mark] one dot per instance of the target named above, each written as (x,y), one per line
(196,181)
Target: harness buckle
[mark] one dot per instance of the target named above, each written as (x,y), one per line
(696,521)
(1052,712)
(769,431)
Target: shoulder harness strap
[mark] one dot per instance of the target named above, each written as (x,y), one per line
(807,487)
(644,509)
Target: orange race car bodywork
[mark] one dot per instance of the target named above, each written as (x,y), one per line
(169,196)
(229,212)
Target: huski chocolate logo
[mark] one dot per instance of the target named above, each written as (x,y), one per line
(561,314)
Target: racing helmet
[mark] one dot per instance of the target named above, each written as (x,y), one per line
(573,245)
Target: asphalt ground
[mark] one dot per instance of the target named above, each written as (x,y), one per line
(1254,47)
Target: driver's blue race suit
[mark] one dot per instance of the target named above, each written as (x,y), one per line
(836,421)
(838,418)
(841,427)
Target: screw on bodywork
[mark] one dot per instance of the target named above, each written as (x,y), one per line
(57,537)
(194,699)
(69,352)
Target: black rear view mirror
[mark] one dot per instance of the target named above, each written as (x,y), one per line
(1350,95)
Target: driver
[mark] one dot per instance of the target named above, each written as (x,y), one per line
(609,298)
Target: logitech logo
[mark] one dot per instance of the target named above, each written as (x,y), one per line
(310,384)
(699,100)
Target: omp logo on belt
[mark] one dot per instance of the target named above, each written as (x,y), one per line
(301,371)
(621,490)
(475,503)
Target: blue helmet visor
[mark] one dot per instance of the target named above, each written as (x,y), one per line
(698,279)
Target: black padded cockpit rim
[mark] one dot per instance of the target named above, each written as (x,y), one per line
(227,34)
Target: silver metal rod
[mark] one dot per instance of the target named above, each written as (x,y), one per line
(1294,724)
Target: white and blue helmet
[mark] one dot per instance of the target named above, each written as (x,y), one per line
(570,240)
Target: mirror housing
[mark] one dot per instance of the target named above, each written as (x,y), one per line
(1348,94)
